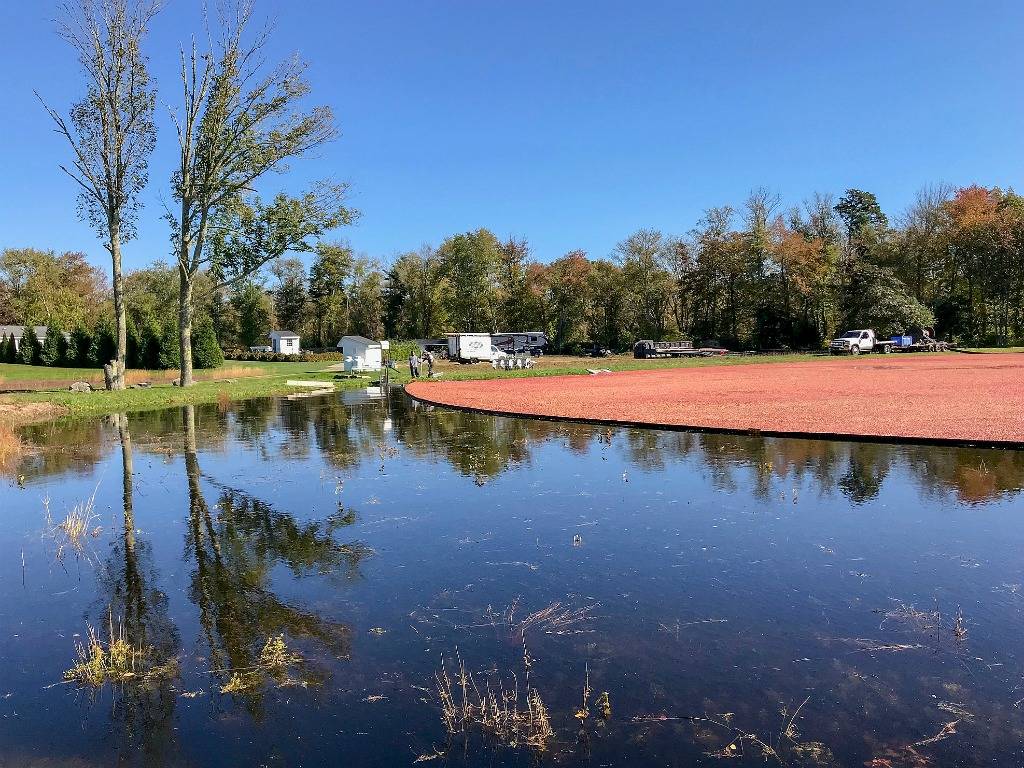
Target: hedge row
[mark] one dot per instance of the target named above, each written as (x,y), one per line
(277,357)
(151,347)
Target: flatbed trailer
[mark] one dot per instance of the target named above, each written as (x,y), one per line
(646,349)
(923,346)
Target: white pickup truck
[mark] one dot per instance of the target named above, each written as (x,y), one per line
(855,342)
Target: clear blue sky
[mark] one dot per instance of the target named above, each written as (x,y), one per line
(572,123)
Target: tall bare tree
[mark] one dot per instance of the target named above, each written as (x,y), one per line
(111,130)
(236,124)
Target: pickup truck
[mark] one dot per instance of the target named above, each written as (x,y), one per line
(855,342)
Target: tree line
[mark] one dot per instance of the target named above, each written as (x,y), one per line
(753,277)
(750,278)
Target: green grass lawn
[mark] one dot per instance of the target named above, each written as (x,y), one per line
(221,384)
(13,372)
(992,350)
(18,372)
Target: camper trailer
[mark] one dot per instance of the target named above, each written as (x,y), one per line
(472,347)
(530,342)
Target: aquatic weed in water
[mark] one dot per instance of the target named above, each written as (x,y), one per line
(275,659)
(116,660)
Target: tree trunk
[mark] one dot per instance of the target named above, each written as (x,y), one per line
(120,315)
(127,472)
(185,327)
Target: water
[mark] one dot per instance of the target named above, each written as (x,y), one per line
(710,584)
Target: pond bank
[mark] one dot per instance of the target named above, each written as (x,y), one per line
(33,407)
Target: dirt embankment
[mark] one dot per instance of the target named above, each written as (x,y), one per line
(958,398)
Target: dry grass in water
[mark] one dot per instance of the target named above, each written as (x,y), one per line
(12,447)
(867,645)
(910,617)
(78,526)
(959,625)
(497,712)
(553,620)
(603,703)
(274,662)
(740,743)
(116,660)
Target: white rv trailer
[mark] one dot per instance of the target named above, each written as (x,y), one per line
(472,347)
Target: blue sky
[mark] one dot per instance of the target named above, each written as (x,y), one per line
(571,123)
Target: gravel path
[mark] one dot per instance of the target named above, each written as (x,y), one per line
(944,397)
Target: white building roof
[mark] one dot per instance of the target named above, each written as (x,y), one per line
(17,331)
(362,340)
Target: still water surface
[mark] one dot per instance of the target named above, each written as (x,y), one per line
(739,599)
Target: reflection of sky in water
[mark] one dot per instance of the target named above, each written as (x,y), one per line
(723,575)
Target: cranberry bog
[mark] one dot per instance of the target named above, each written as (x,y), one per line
(921,398)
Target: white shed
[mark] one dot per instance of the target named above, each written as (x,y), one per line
(285,342)
(362,354)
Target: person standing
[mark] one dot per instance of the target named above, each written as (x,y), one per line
(414,365)
(430,364)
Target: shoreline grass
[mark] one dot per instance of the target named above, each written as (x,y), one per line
(220,387)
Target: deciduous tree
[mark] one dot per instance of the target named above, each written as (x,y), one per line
(111,131)
(237,123)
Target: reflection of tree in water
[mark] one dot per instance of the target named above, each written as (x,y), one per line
(251,421)
(67,446)
(144,712)
(235,548)
(723,455)
(475,444)
(652,450)
(866,471)
(342,433)
(478,445)
(296,443)
(975,475)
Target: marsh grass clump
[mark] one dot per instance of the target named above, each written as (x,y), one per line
(74,531)
(274,662)
(12,447)
(116,660)
(959,625)
(494,710)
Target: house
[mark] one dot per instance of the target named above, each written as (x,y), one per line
(285,342)
(362,354)
(17,331)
